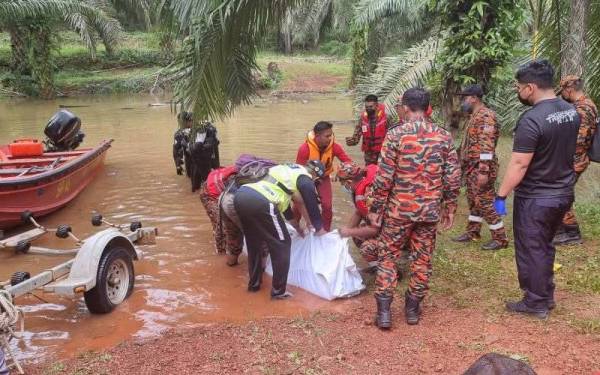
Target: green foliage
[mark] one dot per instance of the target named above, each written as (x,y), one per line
(395,74)
(480,37)
(213,71)
(335,48)
(33,26)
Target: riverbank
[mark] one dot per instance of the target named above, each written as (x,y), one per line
(464,318)
(139,65)
(447,341)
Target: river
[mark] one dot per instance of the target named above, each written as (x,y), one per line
(181,281)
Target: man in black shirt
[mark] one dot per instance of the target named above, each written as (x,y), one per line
(542,175)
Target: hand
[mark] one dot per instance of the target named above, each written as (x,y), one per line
(350,141)
(500,205)
(482,179)
(321,232)
(374,219)
(297,227)
(447,221)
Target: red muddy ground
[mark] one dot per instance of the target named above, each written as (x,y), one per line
(447,341)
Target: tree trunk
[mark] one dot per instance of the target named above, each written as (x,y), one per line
(360,37)
(18,47)
(285,33)
(573,54)
(41,60)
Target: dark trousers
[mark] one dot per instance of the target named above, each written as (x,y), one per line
(535,221)
(262,223)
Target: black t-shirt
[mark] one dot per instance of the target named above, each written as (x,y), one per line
(549,130)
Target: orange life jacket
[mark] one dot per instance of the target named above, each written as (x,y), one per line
(217,179)
(373,137)
(360,198)
(315,153)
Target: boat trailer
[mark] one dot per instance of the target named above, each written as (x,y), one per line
(102,269)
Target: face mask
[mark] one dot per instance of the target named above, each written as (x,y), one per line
(466,107)
(524,101)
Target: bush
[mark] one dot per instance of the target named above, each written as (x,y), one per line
(336,48)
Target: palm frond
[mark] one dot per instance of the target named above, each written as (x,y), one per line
(592,69)
(507,106)
(11,10)
(214,67)
(95,20)
(395,74)
(309,21)
(369,11)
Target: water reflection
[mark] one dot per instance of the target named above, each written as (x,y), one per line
(180,281)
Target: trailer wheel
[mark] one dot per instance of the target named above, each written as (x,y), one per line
(18,277)
(23,246)
(135,225)
(63,231)
(96,220)
(114,281)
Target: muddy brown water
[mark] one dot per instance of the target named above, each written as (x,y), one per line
(181,282)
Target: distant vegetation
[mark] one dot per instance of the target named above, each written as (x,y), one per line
(208,50)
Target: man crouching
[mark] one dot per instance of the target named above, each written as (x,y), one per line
(358,182)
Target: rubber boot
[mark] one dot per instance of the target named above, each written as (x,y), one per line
(570,235)
(384,314)
(412,309)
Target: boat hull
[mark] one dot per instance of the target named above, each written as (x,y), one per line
(49,191)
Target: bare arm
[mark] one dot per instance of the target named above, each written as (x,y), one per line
(354,219)
(517,167)
(363,232)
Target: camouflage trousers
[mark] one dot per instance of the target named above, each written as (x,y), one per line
(367,248)
(481,206)
(419,239)
(569,219)
(371,157)
(228,236)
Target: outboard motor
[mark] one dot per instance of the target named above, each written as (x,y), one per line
(63,132)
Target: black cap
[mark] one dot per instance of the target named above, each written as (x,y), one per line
(472,90)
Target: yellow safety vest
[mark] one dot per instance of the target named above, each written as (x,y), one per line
(279,184)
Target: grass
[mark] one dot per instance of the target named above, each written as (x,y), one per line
(308,66)
(138,56)
(470,277)
(131,69)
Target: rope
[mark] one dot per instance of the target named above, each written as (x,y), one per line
(10,317)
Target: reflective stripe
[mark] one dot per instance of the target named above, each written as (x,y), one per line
(500,225)
(475,219)
(359,198)
(486,156)
(276,221)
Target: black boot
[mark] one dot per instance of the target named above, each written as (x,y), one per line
(384,314)
(569,235)
(412,309)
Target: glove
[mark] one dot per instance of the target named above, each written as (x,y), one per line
(500,205)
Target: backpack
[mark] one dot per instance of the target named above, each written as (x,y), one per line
(594,150)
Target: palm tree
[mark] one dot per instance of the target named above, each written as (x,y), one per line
(213,70)
(32,23)
(566,33)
